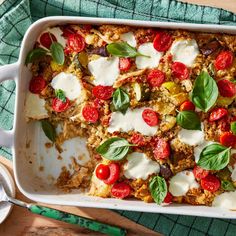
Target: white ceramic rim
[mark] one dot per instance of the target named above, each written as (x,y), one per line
(9,139)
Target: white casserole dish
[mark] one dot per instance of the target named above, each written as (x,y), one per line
(37,186)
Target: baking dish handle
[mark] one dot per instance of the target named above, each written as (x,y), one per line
(8,72)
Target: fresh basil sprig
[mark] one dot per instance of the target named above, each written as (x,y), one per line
(158,189)
(214,157)
(114,149)
(49,130)
(57,52)
(123,49)
(233,127)
(205,91)
(34,54)
(188,120)
(60,95)
(227,185)
(120,100)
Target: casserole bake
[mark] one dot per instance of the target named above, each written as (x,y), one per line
(40,185)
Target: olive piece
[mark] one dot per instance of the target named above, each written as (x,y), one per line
(210,47)
(165,171)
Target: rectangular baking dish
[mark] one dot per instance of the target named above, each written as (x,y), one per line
(35,184)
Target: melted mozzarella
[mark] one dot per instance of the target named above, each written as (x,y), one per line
(131,120)
(225,200)
(105,70)
(148,62)
(191,137)
(182,182)
(57,32)
(198,149)
(69,83)
(184,51)
(139,166)
(129,38)
(35,107)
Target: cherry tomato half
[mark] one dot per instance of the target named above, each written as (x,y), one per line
(120,190)
(124,64)
(161,149)
(224,60)
(114,173)
(228,139)
(46,39)
(200,173)
(180,71)
(37,84)
(168,198)
(59,106)
(103,92)
(75,43)
(162,41)
(155,78)
(102,171)
(150,117)
(187,106)
(217,114)
(138,139)
(210,183)
(226,88)
(90,113)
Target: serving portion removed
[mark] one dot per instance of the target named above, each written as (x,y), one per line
(156,109)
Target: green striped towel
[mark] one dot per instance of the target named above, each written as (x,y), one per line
(17,15)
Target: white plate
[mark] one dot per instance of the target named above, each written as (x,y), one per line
(36,185)
(8,183)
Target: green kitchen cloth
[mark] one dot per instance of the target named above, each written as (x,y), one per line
(17,15)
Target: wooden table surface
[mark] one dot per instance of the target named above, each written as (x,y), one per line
(21,222)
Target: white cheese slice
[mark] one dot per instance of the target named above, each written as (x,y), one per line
(35,107)
(105,70)
(131,120)
(191,137)
(129,38)
(57,32)
(69,83)
(148,62)
(225,200)
(182,182)
(184,51)
(198,149)
(139,166)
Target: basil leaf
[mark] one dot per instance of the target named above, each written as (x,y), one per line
(120,100)
(214,157)
(60,95)
(49,130)
(123,49)
(227,185)
(57,52)
(34,54)
(205,91)
(233,127)
(114,149)
(188,120)
(158,189)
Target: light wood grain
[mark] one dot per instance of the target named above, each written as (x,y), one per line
(22,222)
(229,5)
